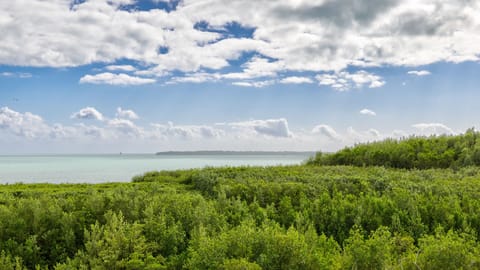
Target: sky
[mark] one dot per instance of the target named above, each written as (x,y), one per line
(109,76)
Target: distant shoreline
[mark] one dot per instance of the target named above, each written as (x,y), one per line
(249,153)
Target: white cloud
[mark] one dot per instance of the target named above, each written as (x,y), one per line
(432,129)
(186,131)
(253,71)
(59,131)
(419,72)
(115,79)
(324,37)
(318,36)
(368,112)
(128,114)
(354,136)
(30,126)
(376,84)
(26,124)
(88,113)
(256,84)
(374,133)
(344,81)
(327,131)
(122,134)
(257,67)
(21,75)
(113,134)
(127,68)
(125,127)
(299,36)
(90,131)
(296,80)
(199,77)
(270,127)
(328,35)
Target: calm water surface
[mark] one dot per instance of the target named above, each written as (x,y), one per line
(121,168)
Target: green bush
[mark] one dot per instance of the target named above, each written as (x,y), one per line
(414,152)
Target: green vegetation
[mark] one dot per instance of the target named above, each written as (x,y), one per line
(285,217)
(296,217)
(416,152)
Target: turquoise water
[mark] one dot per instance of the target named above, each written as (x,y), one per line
(121,168)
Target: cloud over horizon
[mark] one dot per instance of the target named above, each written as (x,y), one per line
(222,136)
(25,125)
(326,130)
(88,113)
(271,127)
(428,129)
(128,114)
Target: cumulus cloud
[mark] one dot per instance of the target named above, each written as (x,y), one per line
(419,72)
(26,124)
(318,36)
(374,133)
(254,69)
(128,114)
(432,129)
(344,81)
(29,125)
(125,127)
(115,79)
(327,131)
(354,136)
(253,134)
(117,133)
(296,80)
(127,68)
(368,112)
(328,35)
(270,127)
(89,131)
(186,131)
(59,131)
(256,84)
(88,113)
(257,67)
(199,77)
(348,137)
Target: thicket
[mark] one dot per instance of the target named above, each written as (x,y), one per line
(414,152)
(294,217)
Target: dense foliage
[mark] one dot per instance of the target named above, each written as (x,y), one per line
(414,152)
(295,217)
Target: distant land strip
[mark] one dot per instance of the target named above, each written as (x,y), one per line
(277,153)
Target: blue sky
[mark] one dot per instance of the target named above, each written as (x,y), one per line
(147,76)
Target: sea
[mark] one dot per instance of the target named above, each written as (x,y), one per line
(122,167)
